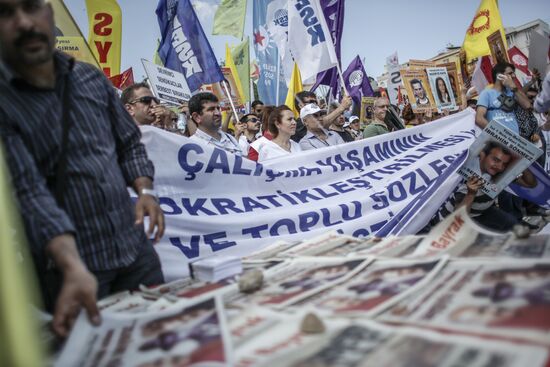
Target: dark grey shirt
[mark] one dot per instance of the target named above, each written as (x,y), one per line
(104,157)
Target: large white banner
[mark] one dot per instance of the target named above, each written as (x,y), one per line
(218,203)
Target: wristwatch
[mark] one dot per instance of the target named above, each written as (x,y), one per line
(150,192)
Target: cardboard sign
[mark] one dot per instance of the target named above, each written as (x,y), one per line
(168,85)
(538,52)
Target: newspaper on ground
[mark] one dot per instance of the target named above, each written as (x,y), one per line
(502,299)
(374,289)
(366,343)
(183,335)
(321,244)
(299,279)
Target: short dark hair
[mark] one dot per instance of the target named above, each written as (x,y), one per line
(129,93)
(415,81)
(245,117)
(490,145)
(255,103)
(300,96)
(198,100)
(275,116)
(500,68)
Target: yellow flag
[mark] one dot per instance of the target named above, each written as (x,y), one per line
(105,34)
(486,21)
(19,333)
(231,65)
(68,37)
(294,87)
(229,18)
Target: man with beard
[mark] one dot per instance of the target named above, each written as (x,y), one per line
(204,109)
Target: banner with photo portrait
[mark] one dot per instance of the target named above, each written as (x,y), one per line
(441,89)
(418,89)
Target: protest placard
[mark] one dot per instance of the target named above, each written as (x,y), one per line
(456,80)
(367,109)
(168,85)
(418,89)
(421,64)
(499,53)
(442,91)
(498,156)
(538,52)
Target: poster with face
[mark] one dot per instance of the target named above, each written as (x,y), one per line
(499,53)
(456,80)
(441,89)
(418,89)
(367,109)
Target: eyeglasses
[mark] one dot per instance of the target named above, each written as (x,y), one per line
(253,120)
(311,101)
(145,100)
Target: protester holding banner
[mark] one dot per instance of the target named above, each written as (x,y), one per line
(206,114)
(281,126)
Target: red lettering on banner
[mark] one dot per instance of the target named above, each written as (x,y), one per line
(103,50)
(101,28)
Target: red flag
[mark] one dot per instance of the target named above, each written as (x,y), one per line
(124,80)
(487,68)
(519,60)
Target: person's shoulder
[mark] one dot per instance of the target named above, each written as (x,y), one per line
(295,147)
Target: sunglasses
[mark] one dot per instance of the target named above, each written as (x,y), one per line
(253,120)
(145,100)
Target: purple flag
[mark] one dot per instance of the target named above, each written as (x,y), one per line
(334,16)
(357,81)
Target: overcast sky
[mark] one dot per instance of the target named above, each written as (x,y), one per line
(373,29)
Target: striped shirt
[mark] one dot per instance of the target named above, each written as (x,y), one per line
(104,156)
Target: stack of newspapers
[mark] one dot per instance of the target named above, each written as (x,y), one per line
(215,268)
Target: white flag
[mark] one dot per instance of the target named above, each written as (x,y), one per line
(309,39)
(277,26)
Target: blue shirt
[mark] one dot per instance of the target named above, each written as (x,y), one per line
(489,99)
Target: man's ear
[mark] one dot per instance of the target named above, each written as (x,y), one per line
(129,108)
(195,116)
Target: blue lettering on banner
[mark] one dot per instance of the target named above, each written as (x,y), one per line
(192,251)
(314,29)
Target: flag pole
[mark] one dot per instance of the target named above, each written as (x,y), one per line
(230,100)
(278,76)
(342,79)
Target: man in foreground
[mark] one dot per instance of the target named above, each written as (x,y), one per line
(72,150)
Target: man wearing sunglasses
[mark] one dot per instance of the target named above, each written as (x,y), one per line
(249,132)
(317,136)
(144,107)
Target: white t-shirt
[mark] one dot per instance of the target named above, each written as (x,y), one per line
(268,150)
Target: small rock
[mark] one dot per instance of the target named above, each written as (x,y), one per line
(521,231)
(251,281)
(312,324)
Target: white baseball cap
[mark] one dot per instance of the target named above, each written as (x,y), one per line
(309,109)
(350,121)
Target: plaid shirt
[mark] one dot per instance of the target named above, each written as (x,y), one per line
(104,157)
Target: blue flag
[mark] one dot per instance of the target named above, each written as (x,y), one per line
(184,46)
(357,81)
(267,53)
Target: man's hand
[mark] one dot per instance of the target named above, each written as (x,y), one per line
(79,289)
(148,205)
(162,116)
(508,82)
(473,184)
(346,102)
